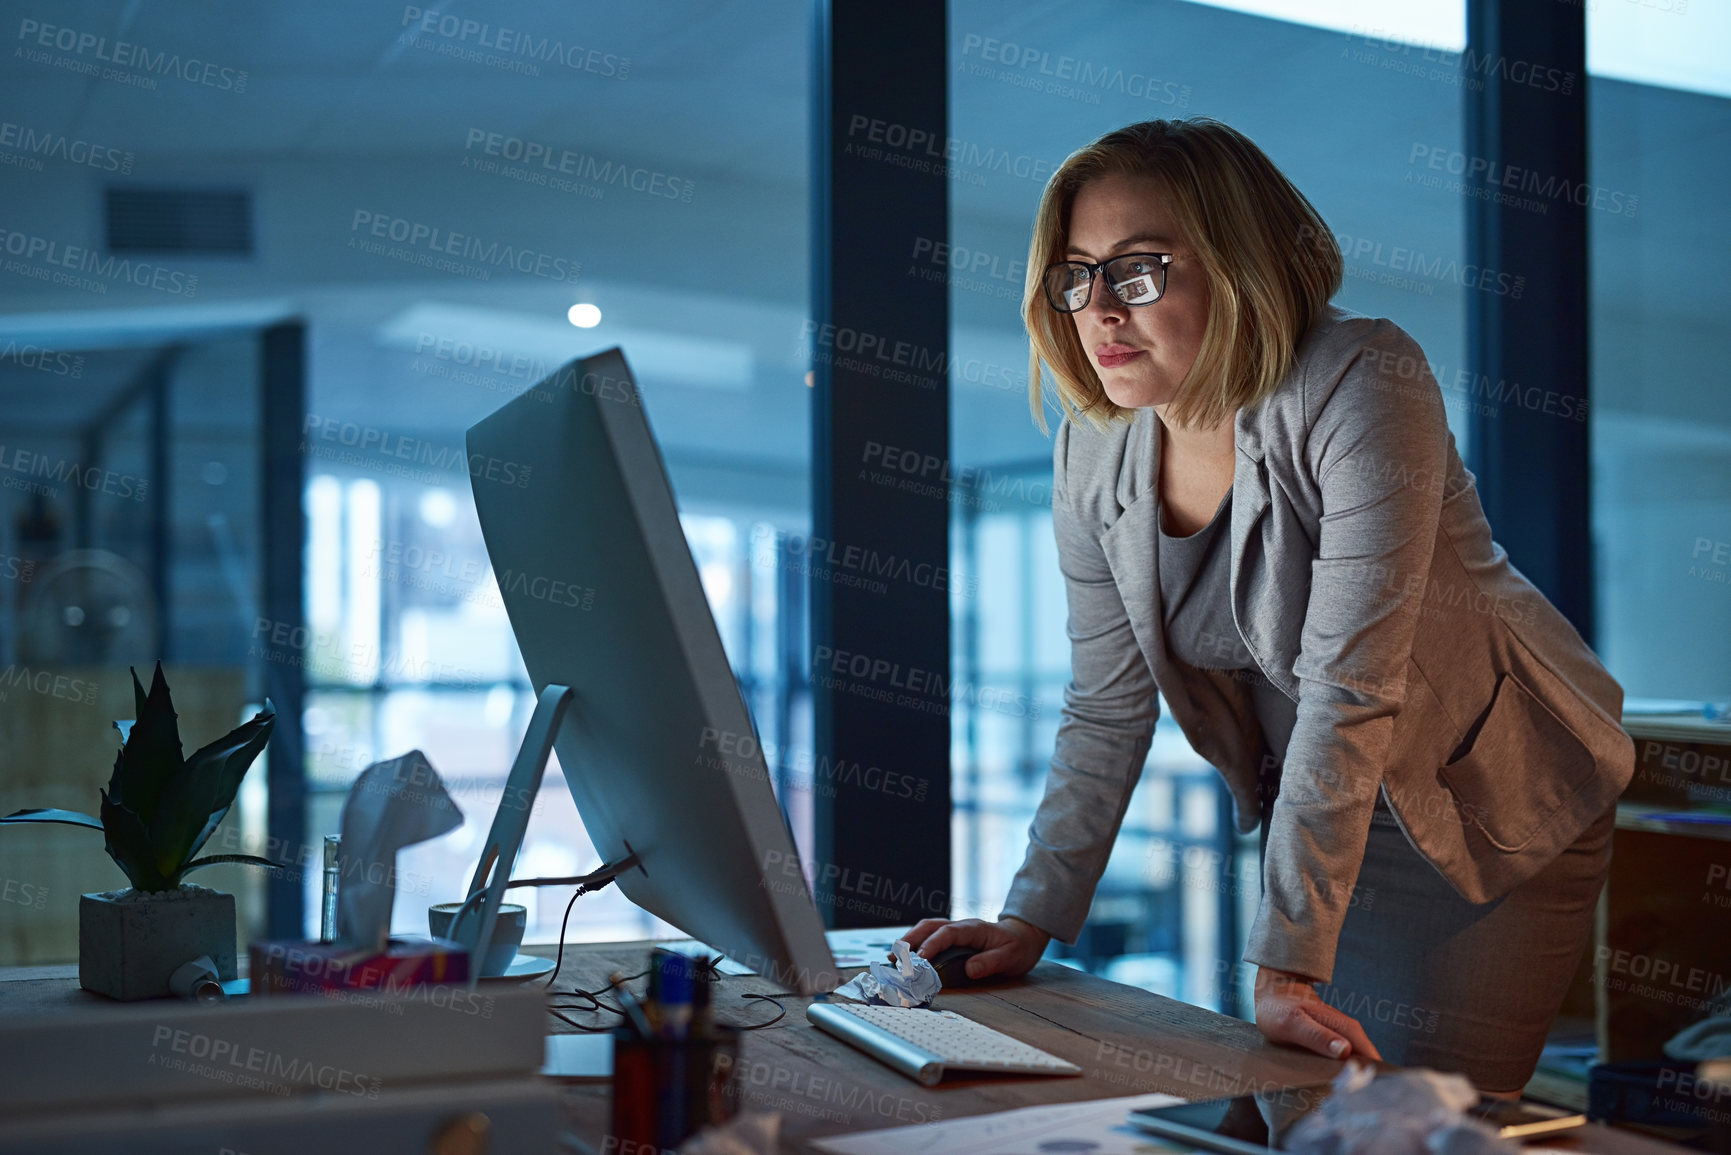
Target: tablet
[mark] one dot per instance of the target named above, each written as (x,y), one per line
(1257,1124)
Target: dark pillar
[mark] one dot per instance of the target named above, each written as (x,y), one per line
(1525,73)
(161,501)
(880,341)
(282,376)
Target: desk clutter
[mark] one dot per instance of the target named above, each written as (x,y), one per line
(674,1066)
(448,1070)
(372,1070)
(367,1042)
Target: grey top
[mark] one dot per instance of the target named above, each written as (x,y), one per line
(1365,582)
(1195,575)
(1195,589)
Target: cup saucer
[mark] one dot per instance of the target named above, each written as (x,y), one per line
(523,968)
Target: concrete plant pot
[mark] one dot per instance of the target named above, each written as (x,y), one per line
(130,942)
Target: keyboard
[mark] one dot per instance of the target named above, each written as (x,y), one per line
(924,1044)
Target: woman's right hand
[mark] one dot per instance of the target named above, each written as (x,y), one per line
(1288,1010)
(1008,947)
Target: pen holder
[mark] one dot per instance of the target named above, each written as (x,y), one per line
(667,1090)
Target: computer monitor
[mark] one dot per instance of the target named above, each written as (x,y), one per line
(657,745)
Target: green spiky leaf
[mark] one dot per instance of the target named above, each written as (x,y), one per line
(128,843)
(237,859)
(160,808)
(150,758)
(200,796)
(68,817)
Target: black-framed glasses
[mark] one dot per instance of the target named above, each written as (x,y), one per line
(1132,279)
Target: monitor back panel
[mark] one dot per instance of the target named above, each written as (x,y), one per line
(603,596)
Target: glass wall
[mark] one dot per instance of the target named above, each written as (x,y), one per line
(454,208)
(661,188)
(129,492)
(1027,87)
(1659,101)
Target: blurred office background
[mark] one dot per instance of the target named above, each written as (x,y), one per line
(180,183)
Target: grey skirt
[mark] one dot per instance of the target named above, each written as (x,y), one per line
(1437,981)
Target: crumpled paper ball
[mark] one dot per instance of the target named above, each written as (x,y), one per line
(910,982)
(1411,1112)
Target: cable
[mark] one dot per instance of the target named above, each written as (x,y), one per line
(559,959)
(708,966)
(580,880)
(585,884)
(594,1004)
(569,880)
(557,1012)
(776,999)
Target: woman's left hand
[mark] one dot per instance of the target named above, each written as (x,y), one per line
(1288,1010)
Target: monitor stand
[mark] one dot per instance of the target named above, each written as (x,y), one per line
(473,926)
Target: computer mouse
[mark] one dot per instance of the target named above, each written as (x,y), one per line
(952,966)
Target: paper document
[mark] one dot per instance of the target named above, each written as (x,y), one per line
(1099,1127)
(851,948)
(858,948)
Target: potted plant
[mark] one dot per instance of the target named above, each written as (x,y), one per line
(157,813)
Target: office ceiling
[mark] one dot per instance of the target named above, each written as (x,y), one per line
(354,107)
(720,85)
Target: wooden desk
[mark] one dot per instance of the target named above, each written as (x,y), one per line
(1126,1040)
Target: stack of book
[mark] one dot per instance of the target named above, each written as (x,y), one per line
(370,1071)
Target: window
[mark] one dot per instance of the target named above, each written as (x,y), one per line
(1659,103)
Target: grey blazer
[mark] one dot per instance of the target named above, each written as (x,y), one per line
(1367,587)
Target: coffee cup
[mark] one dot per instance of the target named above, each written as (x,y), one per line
(508,929)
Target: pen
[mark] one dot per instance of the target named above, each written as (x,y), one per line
(676,981)
(616,983)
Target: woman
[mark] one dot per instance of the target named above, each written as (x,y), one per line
(1260,511)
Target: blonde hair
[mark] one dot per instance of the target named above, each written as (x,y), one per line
(1270,261)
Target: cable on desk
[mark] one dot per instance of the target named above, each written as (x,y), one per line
(585,883)
(594,1004)
(776,999)
(585,1029)
(559,959)
(709,969)
(583,887)
(706,970)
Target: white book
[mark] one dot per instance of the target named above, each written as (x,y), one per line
(84,1052)
(516,1115)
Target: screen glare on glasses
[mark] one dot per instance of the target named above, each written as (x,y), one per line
(1134,279)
